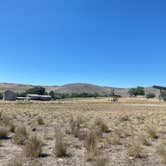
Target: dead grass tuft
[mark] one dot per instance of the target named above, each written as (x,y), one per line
(4,133)
(101,125)
(33,147)
(90,140)
(152,131)
(60,149)
(17,161)
(100,161)
(135,150)
(144,140)
(40,121)
(161,151)
(20,135)
(114,140)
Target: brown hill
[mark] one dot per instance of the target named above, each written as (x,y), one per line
(74,88)
(21,87)
(14,87)
(82,88)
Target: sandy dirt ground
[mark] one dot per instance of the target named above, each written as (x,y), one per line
(128,133)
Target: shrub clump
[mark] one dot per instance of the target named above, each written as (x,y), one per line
(152,131)
(4,133)
(33,147)
(40,121)
(90,140)
(100,161)
(20,135)
(135,150)
(101,125)
(16,162)
(161,151)
(75,125)
(60,148)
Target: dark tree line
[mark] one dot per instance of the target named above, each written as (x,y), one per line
(37,90)
(55,95)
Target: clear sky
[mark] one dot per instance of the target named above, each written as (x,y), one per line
(118,43)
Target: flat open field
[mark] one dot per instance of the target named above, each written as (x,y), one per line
(83,132)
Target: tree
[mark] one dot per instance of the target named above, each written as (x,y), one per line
(132,92)
(136,91)
(140,91)
(52,94)
(115,98)
(36,90)
(150,95)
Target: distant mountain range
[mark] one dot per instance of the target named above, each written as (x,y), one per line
(74,88)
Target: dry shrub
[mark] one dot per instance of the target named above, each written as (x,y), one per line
(143,139)
(161,151)
(135,150)
(4,133)
(60,149)
(100,161)
(33,147)
(35,163)
(90,140)
(119,132)
(83,134)
(90,143)
(12,127)
(122,132)
(124,118)
(17,161)
(101,125)
(114,140)
(5,120)
(40,121)
(20,135)
(75,125)
(152,131)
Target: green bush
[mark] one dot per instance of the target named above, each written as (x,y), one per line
(52,94)
(136,91)
(150,95)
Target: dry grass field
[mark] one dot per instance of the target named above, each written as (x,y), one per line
(83,132)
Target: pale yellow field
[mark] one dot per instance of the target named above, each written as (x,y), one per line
(129,133)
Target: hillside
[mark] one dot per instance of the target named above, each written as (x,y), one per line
(14,87)
(82,88)
(74,88)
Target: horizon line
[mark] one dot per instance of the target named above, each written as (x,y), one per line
(31,84)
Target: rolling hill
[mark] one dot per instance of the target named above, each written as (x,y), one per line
(74,88)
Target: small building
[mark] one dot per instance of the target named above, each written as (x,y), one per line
(21,98)
(39,97)
(45,97)
(33,97)
(9,95)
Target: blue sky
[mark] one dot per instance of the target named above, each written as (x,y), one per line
(106,42)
